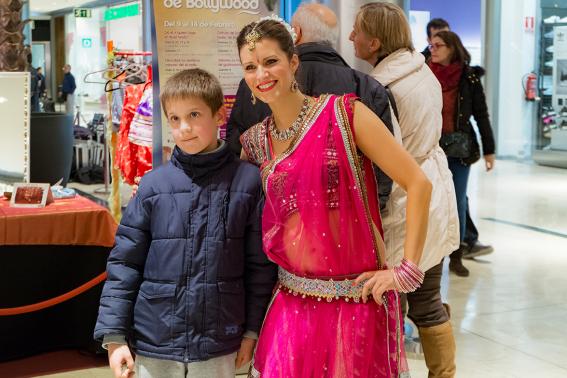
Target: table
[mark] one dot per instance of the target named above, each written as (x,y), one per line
(45,253)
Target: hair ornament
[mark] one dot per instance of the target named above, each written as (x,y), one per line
(275,17)
(254,35)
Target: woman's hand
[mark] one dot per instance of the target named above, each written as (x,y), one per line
(489,162)
(118,356)
(377,283)
(245,352)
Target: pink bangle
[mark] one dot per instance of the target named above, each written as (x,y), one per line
(407,276)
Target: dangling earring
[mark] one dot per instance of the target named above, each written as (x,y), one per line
(253,99)
(294,86)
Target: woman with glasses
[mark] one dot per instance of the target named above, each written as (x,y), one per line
(382,37)
(463,97)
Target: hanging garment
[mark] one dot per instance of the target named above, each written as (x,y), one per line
(140,135)
(117,104)
(125,160)
(141,127)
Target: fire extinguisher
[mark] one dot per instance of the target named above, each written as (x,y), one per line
(530,87)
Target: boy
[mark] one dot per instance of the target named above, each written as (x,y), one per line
(187,277)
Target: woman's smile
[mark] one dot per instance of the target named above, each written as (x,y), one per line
(266,86)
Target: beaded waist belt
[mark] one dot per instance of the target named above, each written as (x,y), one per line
(320,289)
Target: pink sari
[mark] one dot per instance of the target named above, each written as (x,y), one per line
(321,202)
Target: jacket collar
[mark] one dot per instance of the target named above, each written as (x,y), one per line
(320,52)
(203,164)
(397,65)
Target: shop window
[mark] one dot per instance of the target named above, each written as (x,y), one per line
(552,77)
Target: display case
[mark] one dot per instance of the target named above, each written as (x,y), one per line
(551,132)
(15,115)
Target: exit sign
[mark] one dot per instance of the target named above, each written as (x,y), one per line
(121,12)
(83,12)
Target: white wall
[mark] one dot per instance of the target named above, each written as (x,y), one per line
(517,58)
(15,115)
(126,33)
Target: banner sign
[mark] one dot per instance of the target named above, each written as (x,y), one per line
(202,33)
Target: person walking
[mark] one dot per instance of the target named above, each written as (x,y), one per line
(463,98)
(472,247)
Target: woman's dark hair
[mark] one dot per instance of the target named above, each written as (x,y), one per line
(268,29)
(452,40)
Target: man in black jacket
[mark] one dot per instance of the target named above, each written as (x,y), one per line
(322,70)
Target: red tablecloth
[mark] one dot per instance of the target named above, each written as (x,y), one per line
(74,221)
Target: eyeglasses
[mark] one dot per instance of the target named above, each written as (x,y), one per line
(435,46)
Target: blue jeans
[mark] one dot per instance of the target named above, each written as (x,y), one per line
(471,234)
(460,173)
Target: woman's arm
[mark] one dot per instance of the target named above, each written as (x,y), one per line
(480,115)
(398,164)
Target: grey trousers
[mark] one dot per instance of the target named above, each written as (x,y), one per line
(70,104)
(425,305)
(219,367)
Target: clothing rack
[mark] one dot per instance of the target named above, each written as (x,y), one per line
(114,199)
(132,53)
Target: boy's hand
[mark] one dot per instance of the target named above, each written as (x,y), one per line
(118,356)
(245,352)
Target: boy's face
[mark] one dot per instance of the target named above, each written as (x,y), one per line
(193,125)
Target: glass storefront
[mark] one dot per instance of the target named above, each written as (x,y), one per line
(551,129)
(86,39)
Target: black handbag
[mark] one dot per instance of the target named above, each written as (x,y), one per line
(462,145)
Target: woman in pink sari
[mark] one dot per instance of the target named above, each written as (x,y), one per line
(335,312)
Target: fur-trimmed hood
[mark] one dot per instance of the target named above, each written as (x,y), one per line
(478,71)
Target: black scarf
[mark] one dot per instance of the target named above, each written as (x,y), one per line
(203,164)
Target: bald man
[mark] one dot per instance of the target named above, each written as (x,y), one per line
(68,90)
(322,70)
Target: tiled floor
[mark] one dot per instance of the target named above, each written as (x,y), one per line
(509,315)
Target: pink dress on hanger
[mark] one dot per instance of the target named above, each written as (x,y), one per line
(321,204)
(134,150)
(125,161)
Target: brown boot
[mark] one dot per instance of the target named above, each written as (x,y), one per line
(439,350)
(456,263)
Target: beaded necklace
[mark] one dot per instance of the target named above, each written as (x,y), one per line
(290,132)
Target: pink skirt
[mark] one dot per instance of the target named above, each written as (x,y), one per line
(305,337)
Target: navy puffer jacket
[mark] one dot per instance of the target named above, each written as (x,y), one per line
(187,275)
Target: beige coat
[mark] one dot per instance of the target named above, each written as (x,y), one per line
(418,98)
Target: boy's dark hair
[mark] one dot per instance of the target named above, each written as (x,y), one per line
(194,82)
(452,40)
(436,23)
(268,29)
